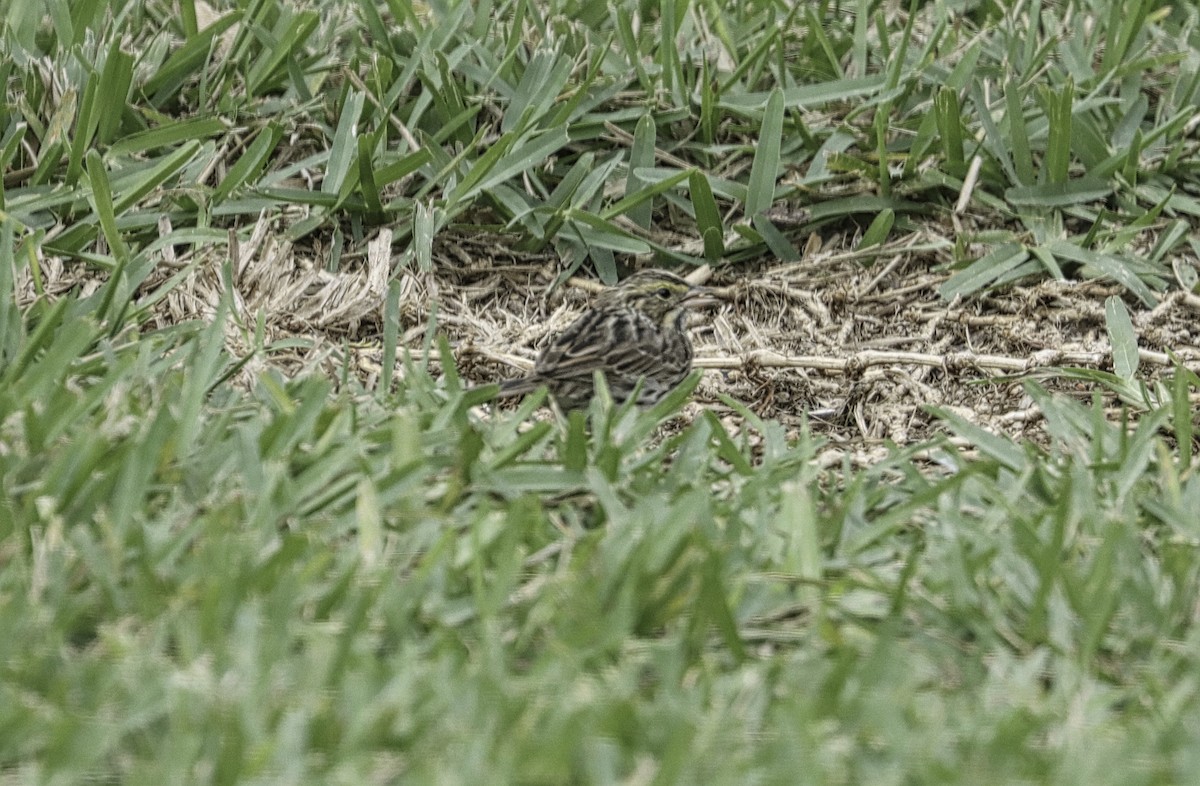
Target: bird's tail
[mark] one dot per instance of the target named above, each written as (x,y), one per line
(519,387)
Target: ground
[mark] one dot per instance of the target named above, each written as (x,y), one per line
(859,344)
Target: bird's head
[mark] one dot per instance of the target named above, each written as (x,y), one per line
(660,295)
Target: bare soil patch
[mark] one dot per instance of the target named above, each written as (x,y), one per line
(859,349)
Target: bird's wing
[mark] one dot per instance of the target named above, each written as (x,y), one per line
(578,350)
(597,341)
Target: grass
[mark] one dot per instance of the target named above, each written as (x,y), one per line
(215,568)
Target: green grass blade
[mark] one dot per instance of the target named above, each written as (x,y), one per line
(251,163)
(879,229)
(948,116)
(641,155)
(344,147)
(135,188)
(760,193)
(1121,338)
(102,203)
(708,216)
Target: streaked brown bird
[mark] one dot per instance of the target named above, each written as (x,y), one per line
(632,333)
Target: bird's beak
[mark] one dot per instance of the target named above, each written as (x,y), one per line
(698,297)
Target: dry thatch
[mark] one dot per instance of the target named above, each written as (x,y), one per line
(860,349)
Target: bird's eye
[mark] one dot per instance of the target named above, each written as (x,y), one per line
(664,293)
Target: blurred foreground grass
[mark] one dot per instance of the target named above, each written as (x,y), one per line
(291,585)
